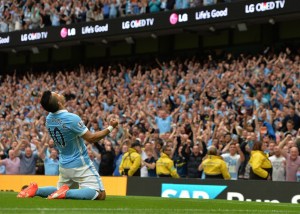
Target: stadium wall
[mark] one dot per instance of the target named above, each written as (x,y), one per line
(113,185)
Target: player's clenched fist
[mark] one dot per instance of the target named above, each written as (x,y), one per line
(113,123)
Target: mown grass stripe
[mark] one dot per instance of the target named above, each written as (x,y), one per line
(144,210)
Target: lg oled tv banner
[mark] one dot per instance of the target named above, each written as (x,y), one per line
(219,13)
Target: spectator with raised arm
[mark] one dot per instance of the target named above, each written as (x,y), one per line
(292,159)
(51,162)
(27,157)
(162,120)
(194,154)
(118,158)
(233,158)
(12,164)
(107,153)
(94,156)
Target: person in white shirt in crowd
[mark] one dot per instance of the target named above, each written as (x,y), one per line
(144,171)
(144,167)
(233,158)
(278,163)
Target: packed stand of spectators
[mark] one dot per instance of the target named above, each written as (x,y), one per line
(173,117)
(33,14)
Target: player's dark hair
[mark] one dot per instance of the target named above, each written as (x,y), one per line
(49,102)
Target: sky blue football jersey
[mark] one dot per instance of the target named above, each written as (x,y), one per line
(66,129)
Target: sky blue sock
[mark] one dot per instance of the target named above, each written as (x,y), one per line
(45,191)
(81,194)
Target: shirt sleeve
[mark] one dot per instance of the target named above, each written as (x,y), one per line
(46,160)
(173,171)
(257,166)
(22,154)
(78,126)
(35,154)
(4,162)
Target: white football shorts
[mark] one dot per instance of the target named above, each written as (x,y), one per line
(82,177)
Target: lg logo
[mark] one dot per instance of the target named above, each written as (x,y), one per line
(65,32)
(174,18)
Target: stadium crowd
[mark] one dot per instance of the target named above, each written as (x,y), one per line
(33,14)
(178,114)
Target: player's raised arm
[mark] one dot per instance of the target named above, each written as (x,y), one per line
(95,137)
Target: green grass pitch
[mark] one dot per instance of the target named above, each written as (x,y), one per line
(145,205)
